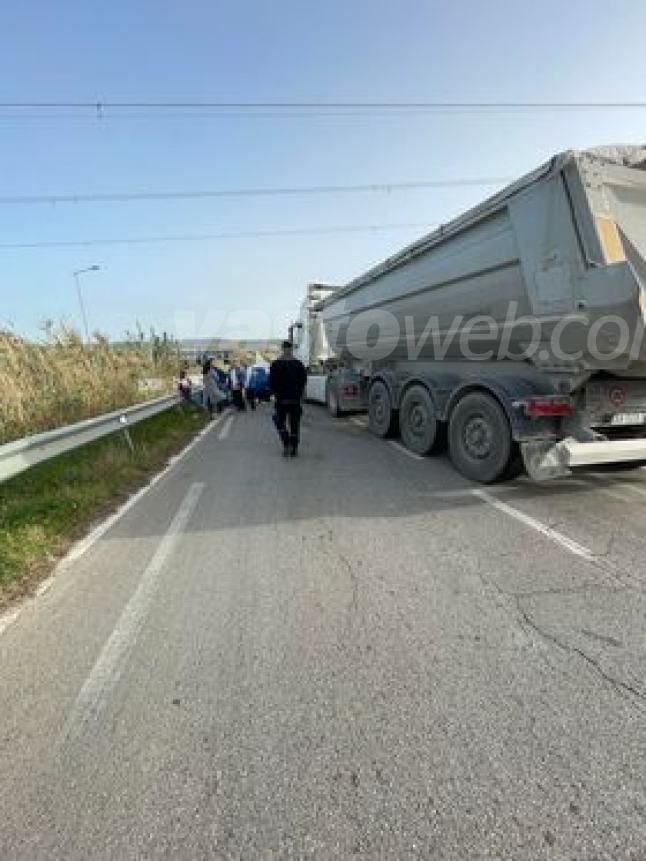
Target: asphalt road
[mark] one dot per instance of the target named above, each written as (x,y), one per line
(353,653)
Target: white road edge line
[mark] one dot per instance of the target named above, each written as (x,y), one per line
(536,525)
(226,427)
(464,491)
(81,547)
(405,451)
(114,656)
(360,423)
(8,619)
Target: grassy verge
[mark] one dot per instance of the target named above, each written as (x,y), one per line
(44,510)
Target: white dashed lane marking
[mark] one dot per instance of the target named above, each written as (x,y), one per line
(537,525)
(114,657)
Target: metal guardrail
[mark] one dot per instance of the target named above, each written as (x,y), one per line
(17,456)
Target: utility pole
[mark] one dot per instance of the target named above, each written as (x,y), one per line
(80,298)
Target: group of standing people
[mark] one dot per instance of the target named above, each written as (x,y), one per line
(218,388)
(287,378)
(221,387)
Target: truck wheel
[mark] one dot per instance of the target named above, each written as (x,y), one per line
(332,398)
(480,442)
(381,420)
(417,422)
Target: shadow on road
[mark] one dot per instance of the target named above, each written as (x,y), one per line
(342,471)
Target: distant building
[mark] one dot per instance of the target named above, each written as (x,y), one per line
(224,350)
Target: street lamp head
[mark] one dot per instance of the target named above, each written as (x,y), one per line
(94,268)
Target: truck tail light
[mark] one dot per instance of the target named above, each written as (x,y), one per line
(539,407)
(351,390)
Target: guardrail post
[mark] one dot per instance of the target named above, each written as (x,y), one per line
(123,421)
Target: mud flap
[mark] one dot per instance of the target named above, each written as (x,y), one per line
(543,460)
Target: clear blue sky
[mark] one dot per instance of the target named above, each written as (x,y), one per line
(254,50)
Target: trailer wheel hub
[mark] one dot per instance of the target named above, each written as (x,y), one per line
(379,407)
(418,419)
(477,437)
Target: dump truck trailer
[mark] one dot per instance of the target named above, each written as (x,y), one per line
(308,336)
(514,333)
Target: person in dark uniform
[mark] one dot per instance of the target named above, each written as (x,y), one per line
(287,378)
(238,384)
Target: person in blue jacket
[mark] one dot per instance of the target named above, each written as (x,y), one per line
(257,386)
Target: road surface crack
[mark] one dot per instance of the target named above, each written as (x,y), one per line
(627,690)
(354,582)
(353,606)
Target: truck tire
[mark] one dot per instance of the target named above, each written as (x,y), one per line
(381,419)
(417,421)
(332,400)
(480,441)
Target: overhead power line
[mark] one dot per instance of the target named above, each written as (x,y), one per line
(99,107)
(318,105)
(251,192)
(213,237)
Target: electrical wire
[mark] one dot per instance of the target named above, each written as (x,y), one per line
(314,108)
(212,237)
(251,192)
(308,105)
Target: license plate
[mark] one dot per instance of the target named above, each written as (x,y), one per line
(629,419)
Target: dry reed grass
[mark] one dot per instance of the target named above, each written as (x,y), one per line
(47,385)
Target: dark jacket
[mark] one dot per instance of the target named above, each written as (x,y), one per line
(287,378)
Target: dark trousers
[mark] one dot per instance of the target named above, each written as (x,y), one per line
(238,399)
(210,406)
(288,421)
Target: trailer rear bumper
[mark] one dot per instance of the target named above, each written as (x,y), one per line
(545,460)
(573,453)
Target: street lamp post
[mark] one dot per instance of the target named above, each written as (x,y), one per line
(80,298)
